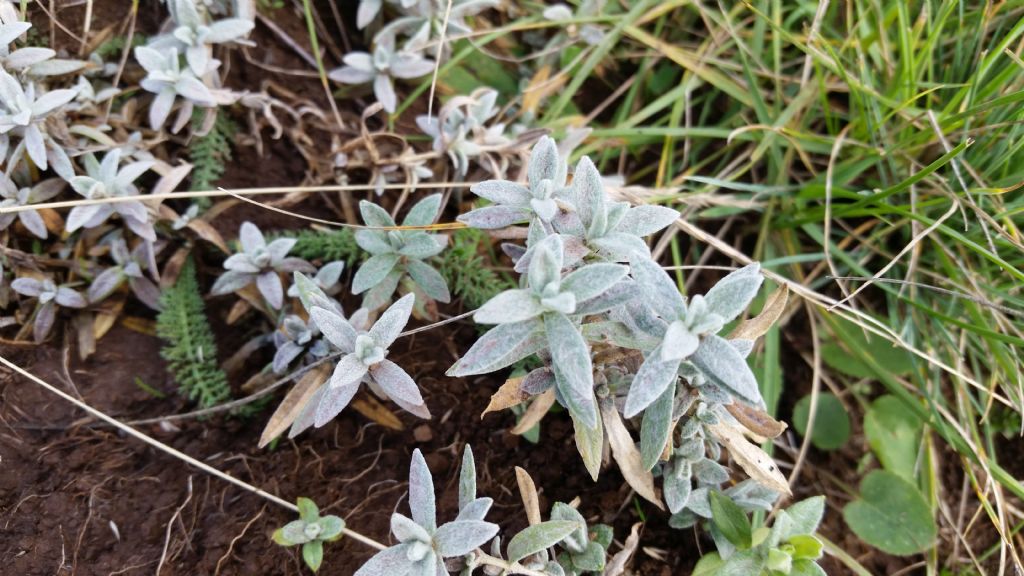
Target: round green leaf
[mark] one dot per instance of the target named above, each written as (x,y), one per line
(891,515)
(831,423)
(894,433)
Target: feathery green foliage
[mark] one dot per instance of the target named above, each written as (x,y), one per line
(210,152)
(191,352)
(466,272)
(112,48)
(326,246)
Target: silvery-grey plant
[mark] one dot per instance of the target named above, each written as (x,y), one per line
(23,113)
(397,254)
(548,308)
(421,21)
(616,339)
(515,203)
(260,263)
(13,195)
(381,68)
(194,36)
(49,297)
(130,267)
(109,180)
(166,79)
(788,547)
(691,335)
(460,131)
(363,359)
(295,337)
(423,544)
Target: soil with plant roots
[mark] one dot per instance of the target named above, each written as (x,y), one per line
(77,497)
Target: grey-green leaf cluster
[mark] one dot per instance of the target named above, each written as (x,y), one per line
(607,322)
(310,531)
(788,547)
(399,254)
(423,545)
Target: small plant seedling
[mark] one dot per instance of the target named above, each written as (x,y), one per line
(310,531)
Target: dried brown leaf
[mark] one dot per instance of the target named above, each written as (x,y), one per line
(370,407)
(140,325)
(756,420)
(528,491)
(535,413)
(507,396)
(755,327)
(170,177)
(627,456)
(293,403)
(754,461)
(617,565)
(204,230)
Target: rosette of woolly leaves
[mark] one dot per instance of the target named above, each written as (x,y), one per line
(544,315)
(423,545)
(381,68)
(130,268)
(108,180)
(49,296)
(690,334)
(261,263)
(514,203)
(613,230)
(460,129)
(11,195)
(23,112)
(397,254)
(166,79)
(194,37)
(311,530)
(422,20)
(295,337)
(364,360)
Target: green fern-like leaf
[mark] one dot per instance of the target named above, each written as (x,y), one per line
(466,271)
(327,246)
(190,349)
(112,48)
(210,152)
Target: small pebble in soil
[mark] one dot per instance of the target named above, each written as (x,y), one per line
(423,433)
